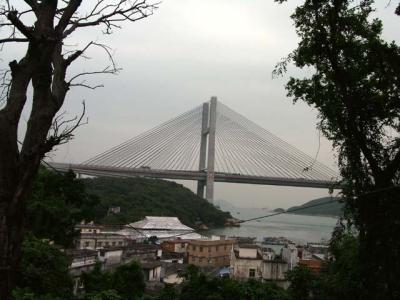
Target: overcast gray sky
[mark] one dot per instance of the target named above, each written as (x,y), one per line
(188,51)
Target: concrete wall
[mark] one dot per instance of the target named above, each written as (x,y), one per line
(247,252)
(290,255)
(209,253)
(241,268)
(98,241)
(274,270)
(154,274)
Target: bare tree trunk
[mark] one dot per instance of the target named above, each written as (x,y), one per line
(10,206)
(44,65)
(19,167)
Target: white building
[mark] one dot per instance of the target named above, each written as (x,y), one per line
(290,255)
(161,227)
(249,262)
(246,262)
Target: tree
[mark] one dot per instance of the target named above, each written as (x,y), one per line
(96,280)
(340,279)
(301,282)
(57,204)
(44,66)
(128,281)
(44,270)
(104,295)
(355,86)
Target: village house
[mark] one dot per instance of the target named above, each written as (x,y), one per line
(89,228)
(82,260)
(175,246)
(142,252)
(151,271)
(250,262)
(100,240)
(111,256)
(246,262)
(290,255)
(206,253)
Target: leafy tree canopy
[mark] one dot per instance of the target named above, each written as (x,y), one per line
(58,203)
(354,84)
(44,271)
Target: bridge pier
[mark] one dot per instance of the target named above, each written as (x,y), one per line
(207,149)
(203,148)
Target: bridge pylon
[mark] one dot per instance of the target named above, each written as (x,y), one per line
(207,149)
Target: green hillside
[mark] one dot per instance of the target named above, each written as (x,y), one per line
(333,208)
(140,197)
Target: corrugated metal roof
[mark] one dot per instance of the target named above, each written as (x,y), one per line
(164,223)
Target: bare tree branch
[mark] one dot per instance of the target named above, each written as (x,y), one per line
(13,17)
(62,129)
(18,40)
(108,14)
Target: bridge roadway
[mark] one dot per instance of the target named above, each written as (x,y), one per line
(189,175)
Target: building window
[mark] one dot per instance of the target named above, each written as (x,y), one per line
(86,244)
(252,273)
(113,243)
(99,244)
(120,243)
(216,248)
(194,248)
(200,259)
(194,258)
(225,247)
(107,243)
(209,249)
(201,249)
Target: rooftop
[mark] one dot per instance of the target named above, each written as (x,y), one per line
(163,223)
(150,265)
(258,257)
(78,253)
(211,242)
(249,246)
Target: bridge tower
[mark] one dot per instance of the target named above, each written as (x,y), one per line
(207,149)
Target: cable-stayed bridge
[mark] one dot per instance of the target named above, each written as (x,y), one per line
(210,143)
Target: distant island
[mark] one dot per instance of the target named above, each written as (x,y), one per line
(331,209)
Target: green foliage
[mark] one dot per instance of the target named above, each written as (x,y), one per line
(355,87)
(96,280)
(341,277)
(126,281)
(198,287)
(103,295)
(57,204)
(168,293)
(27,294)
(139,197)
(44,271)
(301,281)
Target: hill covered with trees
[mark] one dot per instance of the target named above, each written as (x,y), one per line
(325,206)
(140,197)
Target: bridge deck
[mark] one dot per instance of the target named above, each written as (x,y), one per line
(191,175)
